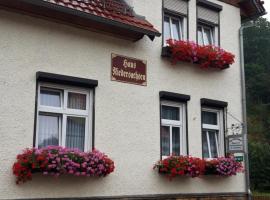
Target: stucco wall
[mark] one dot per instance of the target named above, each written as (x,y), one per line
(127,116)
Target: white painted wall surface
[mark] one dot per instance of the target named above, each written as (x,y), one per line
(127,116)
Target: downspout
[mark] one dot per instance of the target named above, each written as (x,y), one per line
(244,108)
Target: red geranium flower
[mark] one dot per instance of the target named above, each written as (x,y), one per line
(206,56)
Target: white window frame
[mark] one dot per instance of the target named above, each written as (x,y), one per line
(213,34)
(65,112)
(182,26)
(219,127)
(175,123)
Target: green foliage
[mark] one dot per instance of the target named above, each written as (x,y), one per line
(257,67)
(258,82)
(259,166)
(257,43)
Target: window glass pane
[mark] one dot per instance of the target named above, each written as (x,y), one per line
(171,113)
(76,101)
(176,29)
(208,36)
(48,130)
(213,137)
(75,132)
(176,141)
(205,145)
(209,118)
(50,97)
(200,36)
(165,141)
(167,29)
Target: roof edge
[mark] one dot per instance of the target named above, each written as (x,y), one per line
(250,9)
(25,7)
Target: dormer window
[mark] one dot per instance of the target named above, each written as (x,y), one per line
(174,20)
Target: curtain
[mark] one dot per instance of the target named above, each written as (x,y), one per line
(176,29)
(209,118)
(48,128)
(167,29)
(165,140)
(176,141)
(213,135)
(205,145)
(171,113)
(75,132)
(214,145)
(50,98)
(76,101)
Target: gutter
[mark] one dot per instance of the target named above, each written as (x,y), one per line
(244,107)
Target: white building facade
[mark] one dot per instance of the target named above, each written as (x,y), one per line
(56,78)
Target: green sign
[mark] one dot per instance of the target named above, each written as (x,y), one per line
(239,158)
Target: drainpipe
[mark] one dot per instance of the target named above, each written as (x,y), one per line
(244,108)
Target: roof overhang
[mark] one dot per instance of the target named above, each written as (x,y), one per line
(66,15)
(250,9)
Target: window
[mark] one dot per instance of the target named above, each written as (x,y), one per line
(208,22)
(173,129)
(206,35)
(175,20)
(212,133)
(173,28)
(64,116)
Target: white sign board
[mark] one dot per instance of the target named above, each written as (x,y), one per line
(235,144)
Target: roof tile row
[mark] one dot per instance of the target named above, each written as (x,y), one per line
(96,7)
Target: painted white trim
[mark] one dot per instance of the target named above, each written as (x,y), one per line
(184,28)
(208,144)
(216,37)
(64,130)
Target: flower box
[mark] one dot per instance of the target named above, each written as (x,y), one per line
(56,161)
(181,166)
(223,167)
(174,166)
(204,56)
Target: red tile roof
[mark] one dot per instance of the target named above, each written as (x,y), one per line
(101,9)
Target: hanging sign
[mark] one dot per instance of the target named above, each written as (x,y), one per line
(235,144)
(129,70)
